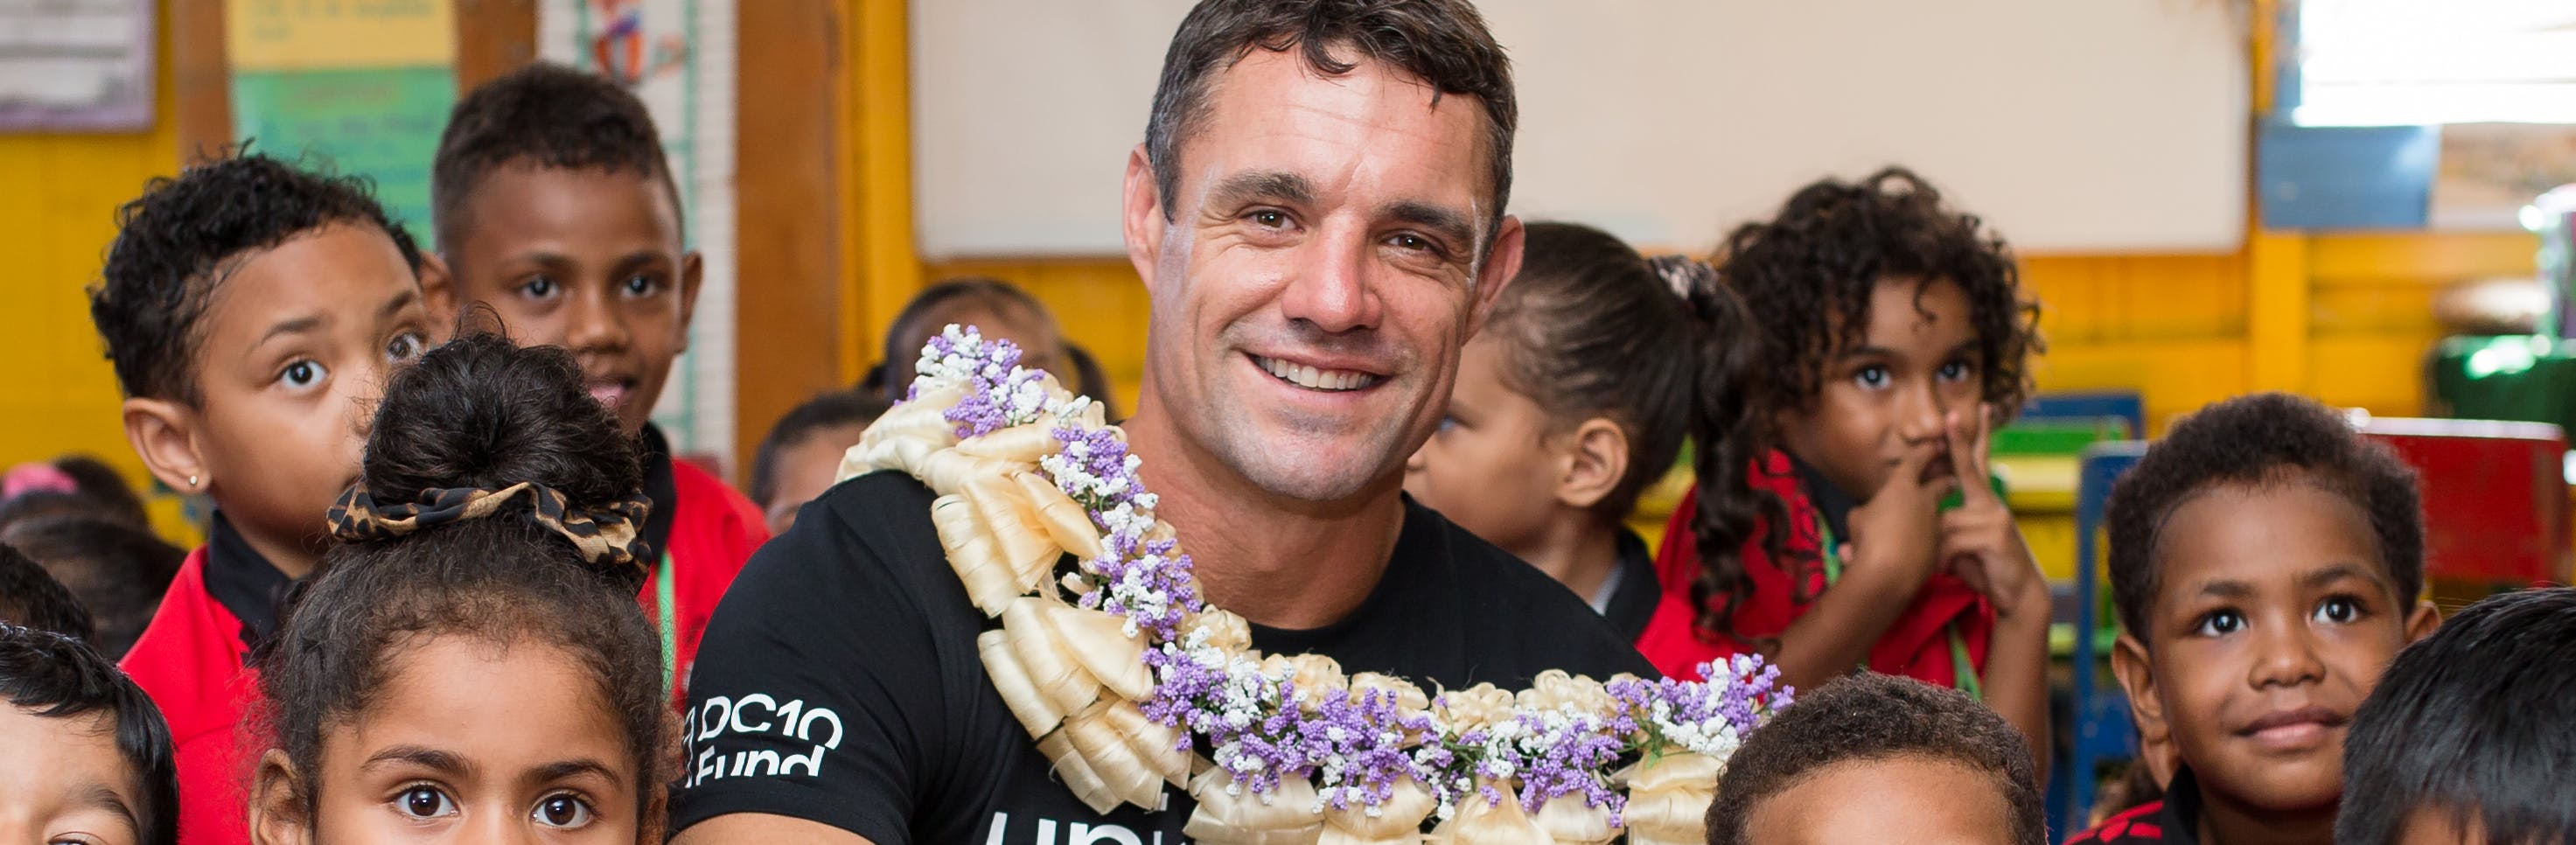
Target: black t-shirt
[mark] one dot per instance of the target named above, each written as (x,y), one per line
(839,681)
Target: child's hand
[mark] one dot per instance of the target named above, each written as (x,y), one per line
(1979,540)
(1897,533)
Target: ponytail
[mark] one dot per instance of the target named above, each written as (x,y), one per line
(1728,432)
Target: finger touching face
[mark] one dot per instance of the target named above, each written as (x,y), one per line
(1318,274)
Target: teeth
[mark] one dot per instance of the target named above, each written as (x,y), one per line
(1312,378)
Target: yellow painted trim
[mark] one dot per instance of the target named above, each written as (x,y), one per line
(884,266)
(2276,315)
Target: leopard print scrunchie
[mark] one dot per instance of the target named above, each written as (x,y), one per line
(609,537)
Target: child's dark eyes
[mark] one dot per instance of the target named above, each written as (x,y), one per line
(1873,376)
(641,285)
(2219,623)
(424,802)
(538,287)
(563,810)
(1447,423)
(2340,610)
(303,373)
(1956,371)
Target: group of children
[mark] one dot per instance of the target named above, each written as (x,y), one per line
(484,635)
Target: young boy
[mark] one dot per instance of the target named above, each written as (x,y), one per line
(802,452)
(557,211)
(2265,561)
(2467,739)
(253,312)
(119,572)
(84,757)
(1880,758)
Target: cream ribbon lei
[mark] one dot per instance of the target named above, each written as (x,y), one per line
(996,444)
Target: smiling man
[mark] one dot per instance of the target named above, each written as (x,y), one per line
(1317,213)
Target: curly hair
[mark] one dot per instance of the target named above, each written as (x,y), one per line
(118,571)
(1870,717)
(549,116)
(1806,277)
(2258,440)
(1442,42)
(178,242)
(2471,722)
(479,412)
(53,676)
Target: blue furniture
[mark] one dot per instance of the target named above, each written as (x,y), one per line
(2100,728)
(2124,404)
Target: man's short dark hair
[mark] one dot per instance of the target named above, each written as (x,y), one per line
(2258,440)
(839,407)
(1869,716)
(183,237)
(30,596)
(54,676)
(2473,722)
(1442,42)
(544,115)
(118,571)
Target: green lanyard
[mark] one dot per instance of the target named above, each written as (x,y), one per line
(1963,670)
(667,613)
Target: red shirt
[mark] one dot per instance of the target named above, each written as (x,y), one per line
(194,662)
(1916,645)
(711,532)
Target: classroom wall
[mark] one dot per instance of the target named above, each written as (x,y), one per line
(56,222)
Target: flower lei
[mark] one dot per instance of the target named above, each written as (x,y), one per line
(1130,681)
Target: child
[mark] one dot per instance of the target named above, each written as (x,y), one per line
(557,211)
(31,598)
(72,484)
(2466,739)
(1878,758)
(1554,430)
(84,757)
(2264,563)
(252,312)
(120,572)
(998,309)
(469,664)
(797,460)
(1891,336)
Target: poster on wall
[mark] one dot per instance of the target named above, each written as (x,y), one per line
(76,65)
(678,57)
(355,88)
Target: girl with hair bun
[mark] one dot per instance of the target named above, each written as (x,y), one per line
(471,662)
(1594,366)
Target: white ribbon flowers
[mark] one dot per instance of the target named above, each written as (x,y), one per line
(1131,683)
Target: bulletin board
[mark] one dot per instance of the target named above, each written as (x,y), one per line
(2073,127)
(678,57)
(357,88)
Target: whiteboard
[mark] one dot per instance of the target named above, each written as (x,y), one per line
(2070,125)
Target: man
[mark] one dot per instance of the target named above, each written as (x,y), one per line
(1317,214)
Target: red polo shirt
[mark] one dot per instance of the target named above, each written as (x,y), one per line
(194,660)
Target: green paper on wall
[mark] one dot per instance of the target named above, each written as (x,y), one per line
(381,123)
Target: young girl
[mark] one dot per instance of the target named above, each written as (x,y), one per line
(1890,337)
(1576,396)
(471,662)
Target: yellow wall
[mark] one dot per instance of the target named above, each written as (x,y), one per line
(57,217)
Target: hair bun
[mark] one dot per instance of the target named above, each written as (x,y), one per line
(483,412)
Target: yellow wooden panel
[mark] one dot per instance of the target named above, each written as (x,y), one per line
(57,216)
(2421,257)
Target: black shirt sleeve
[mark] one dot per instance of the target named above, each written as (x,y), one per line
(817,690)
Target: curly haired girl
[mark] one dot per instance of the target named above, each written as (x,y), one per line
(1891,336)
(471,662)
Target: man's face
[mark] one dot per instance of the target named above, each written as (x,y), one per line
(1325,257)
